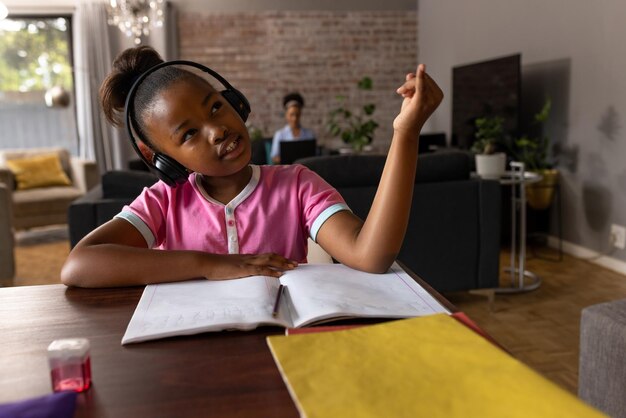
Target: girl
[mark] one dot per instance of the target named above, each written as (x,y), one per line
(230,219)
(293,104)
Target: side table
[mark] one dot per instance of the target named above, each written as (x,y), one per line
(522,280)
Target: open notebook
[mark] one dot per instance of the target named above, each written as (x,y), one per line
(314,293)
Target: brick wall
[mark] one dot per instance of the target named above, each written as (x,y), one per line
(319,53)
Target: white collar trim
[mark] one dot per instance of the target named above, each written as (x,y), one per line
(243,195)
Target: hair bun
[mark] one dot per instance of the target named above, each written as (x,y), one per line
(127,67)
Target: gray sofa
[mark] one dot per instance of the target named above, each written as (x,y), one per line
(453,236)
(101,203)
(602,369)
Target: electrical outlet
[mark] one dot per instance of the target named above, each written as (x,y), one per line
(618,236)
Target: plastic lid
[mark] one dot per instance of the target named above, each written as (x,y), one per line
(68,347)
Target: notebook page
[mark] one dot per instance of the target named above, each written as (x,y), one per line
(323,291)
(191,307)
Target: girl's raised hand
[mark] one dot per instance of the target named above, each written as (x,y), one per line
(421,97)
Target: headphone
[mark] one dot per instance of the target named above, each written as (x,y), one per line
(170,171)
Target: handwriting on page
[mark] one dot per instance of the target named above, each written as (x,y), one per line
(365,299)
(366,294)
(393,309)
(212,314)
(205,304)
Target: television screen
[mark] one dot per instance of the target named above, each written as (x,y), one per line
(487,88)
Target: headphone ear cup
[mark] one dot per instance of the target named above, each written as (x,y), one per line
(169,170)
(238,101)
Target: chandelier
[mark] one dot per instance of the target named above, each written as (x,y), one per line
(134,17)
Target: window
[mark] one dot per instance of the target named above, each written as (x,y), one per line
(35,57)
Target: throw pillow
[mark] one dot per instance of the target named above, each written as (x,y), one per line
(39,171)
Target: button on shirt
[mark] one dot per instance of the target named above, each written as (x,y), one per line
(276,212)
(285,134)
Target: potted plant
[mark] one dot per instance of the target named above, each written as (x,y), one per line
(260,146)
(254,132)
(534,153)
(489,136)
(355,128)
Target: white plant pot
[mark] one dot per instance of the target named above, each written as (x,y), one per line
(491,166)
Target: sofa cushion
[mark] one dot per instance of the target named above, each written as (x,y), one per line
(12,154)
(53,199)
(365,170)
(443,166)
(38,171)
(125,183)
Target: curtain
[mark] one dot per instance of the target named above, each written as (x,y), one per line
(170,32)
(96,44)
(92,63)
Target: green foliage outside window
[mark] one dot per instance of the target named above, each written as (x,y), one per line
(34,54)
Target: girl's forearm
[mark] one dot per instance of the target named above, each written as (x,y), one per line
(379,240)
(374,244)
(112,265)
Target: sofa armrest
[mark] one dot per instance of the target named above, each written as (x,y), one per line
(601,370)
(8,179)
(90,211)
(81,215)
(85,173)
(7,261)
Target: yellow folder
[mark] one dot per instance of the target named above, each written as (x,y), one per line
(429,366)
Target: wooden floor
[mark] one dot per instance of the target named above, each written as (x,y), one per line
(39,255)
(540,328)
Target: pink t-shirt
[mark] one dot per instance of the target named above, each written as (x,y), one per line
(276,212)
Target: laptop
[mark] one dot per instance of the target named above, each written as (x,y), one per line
(431,142)
(291,151)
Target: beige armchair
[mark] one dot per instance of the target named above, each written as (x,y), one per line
(46,205)
(34,207)
(7,262)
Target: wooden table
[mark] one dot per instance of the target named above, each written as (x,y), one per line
(217,374)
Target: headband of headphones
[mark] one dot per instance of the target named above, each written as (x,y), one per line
(166,168)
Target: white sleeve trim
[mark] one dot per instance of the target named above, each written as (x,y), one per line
(138,223)
(323,217)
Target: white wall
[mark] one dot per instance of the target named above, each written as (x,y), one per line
(572,49)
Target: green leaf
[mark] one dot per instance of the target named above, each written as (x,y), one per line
(352,126)
(543,114)
(365,83)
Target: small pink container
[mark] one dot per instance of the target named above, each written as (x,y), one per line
(70,366)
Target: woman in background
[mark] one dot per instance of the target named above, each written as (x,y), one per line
(293,104)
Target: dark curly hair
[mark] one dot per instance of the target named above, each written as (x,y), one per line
(293,97)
